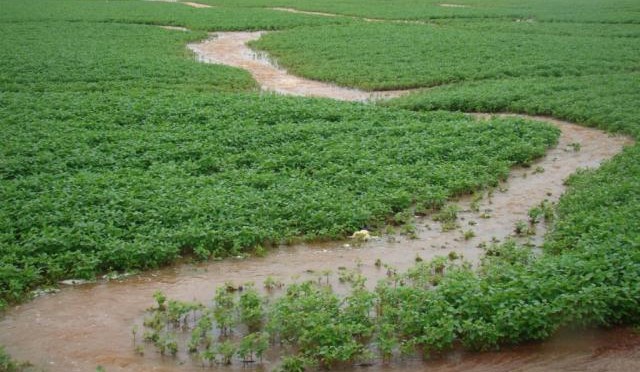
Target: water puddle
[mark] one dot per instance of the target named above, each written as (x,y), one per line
(84,326)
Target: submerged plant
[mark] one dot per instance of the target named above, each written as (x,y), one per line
(250,308)
(224,310)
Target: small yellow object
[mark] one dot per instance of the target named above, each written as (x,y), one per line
(361,236)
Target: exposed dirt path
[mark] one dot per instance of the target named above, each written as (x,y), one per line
(85,326)
(292,10)
(187,3)
(366,19)
(195,5)
(175,28)
(445,5)
(230,48)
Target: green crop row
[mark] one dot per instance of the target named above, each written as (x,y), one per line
(104,57)
(618,11)
(156,13)
(378,56)
(514,296)
(605,101)
(96,182)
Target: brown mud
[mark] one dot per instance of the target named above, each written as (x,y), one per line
(88,325)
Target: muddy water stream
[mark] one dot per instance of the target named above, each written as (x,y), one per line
(230,48)
(84,326)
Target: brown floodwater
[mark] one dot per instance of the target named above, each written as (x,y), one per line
(83,326)
(230,48)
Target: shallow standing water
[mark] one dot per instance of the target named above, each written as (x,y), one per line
(85,326)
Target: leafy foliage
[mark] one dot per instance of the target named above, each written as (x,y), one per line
(574,11)
(118,183)
(378,55)
(154,13)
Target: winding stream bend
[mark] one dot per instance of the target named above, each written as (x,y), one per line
(84,326)
(230,48)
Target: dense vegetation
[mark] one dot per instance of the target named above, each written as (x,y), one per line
(604,101)
(154,13)
(513,297)
(377,56)
(115,156)
(618,11)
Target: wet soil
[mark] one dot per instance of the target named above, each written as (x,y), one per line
(84,326)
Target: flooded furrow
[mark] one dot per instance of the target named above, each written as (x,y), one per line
(84,326)
(230,48)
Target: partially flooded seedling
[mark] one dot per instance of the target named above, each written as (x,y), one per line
(543,210)
(575,146)
(223,311)
(250,308)
(410,231)
(270,283)
(524,229)
(447,214)
(538,170)
(468,234)
(475,202)
(134,332)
